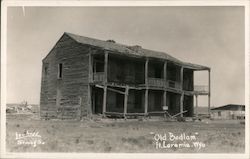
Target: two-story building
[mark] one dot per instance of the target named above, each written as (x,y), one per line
(83,76)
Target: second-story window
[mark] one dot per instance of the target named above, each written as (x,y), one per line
(60,70)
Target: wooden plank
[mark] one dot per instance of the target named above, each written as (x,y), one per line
(90,68)
(165,71)
(165,98)
(117,91)
(181,103)
(146,102)
(104,100)
(126,100)
(209,92)
(106,67)
(146,72)
(196,103)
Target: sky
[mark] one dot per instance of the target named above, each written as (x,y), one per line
(210,36)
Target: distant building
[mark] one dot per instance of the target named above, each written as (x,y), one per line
(230,111)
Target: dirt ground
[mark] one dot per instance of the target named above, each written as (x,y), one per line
(27,133)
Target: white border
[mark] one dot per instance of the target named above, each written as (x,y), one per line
(6,4)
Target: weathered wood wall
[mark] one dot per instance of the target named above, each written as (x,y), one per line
(66,97)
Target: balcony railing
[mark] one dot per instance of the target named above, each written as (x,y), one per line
(159,82)
(201,88)
(98,76)
(174,84)
(156,82)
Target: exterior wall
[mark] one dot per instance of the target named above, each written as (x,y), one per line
(227,114)
(66,97)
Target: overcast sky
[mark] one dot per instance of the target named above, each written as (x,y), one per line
(210,36)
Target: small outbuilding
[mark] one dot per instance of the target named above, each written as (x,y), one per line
(230,111)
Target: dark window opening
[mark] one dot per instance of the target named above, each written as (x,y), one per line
(46,70)
(60,66)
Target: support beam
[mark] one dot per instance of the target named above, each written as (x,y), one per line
(196,103)
(126,101)
(106,68)
(181,103)
(146,73)
(104,101)
(89,109)
(165,71)
(181,77)
(182,94)
(146,102)
(165,98)
(209,92)
(90,68)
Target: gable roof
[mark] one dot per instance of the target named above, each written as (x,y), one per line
(131,50)
(230,107)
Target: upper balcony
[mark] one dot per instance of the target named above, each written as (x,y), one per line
(161,83)
(201,89)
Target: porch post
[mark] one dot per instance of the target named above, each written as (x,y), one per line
(90,68)
(182,92)
(209,92)
(146,90)
(106,68)
(126,101)
(196,103)
(104,100)
(105,84)
(165,83)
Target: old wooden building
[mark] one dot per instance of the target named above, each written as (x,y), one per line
(83,76)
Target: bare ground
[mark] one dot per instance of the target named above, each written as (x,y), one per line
(108,135)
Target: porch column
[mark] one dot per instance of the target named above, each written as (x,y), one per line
(146,90)
(196,103)
(126,101)
(146,102)
(182,93)
(106,68)
(209,92)
(90,68)
(146,73)
(165,83)
(104,105)
(104,100)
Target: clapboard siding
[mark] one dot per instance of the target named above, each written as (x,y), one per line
(66,97)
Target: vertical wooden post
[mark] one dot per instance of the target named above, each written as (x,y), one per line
(181,104)
(90,68)
(165,83)
(146,102)
(126,101)
(146,90)
(104,100)
(196,103)
(89,109)
(146,73)
(182,94)
(105,84)
(106,68)
(209,92)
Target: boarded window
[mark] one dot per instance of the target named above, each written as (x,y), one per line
(60,66)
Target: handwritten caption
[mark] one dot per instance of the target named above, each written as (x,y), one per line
(171,140)
(29,138)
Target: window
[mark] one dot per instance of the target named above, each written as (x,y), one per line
(46,70)
(219,113)
(60,66)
